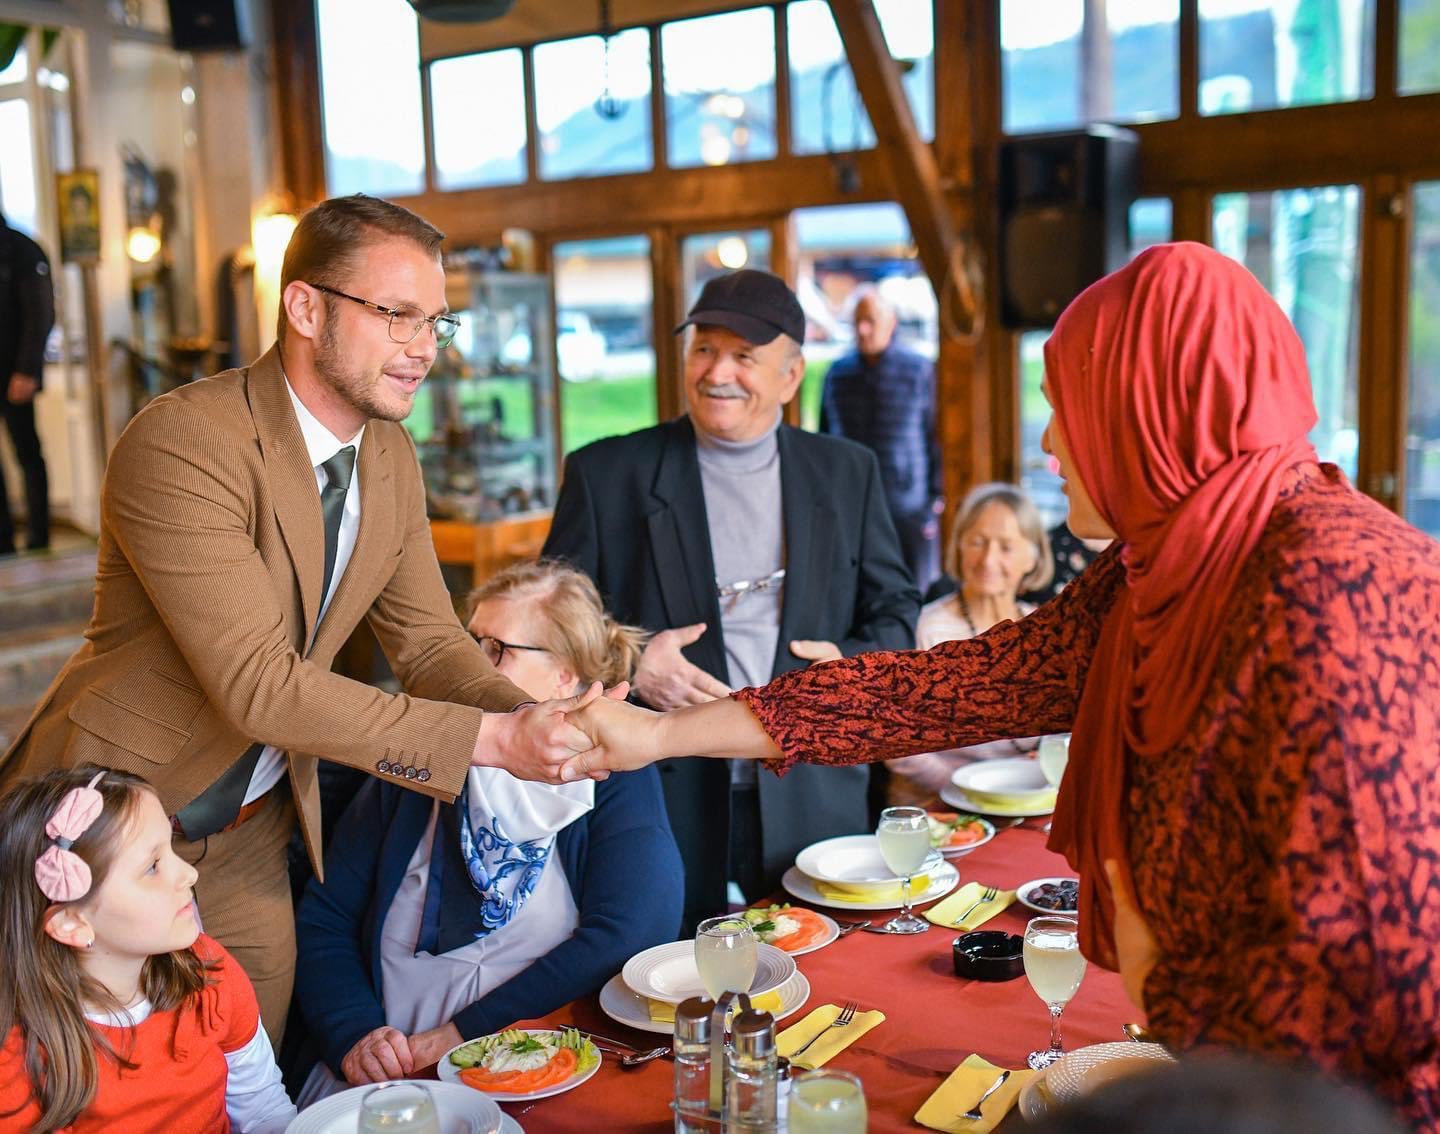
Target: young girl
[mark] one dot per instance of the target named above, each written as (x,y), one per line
(116,1012)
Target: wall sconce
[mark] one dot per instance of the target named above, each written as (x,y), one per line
(142,244)
(270,233)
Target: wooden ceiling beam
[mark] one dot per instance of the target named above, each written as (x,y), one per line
(912,163)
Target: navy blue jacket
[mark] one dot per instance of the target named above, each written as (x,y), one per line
(620,860)
(889,407)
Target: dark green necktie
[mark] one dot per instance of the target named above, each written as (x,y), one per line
(219,804)
(338,470)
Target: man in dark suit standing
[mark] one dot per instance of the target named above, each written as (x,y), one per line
(750,548)
(27,312)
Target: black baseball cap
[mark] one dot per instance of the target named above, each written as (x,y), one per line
(756,305)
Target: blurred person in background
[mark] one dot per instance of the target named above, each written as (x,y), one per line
(27,312)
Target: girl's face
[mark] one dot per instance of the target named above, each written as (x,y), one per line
(517,623)
(146,905)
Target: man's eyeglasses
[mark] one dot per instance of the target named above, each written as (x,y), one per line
(406,320)
(741,587)
(494,648)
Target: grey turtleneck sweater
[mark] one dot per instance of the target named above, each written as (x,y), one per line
(741,481)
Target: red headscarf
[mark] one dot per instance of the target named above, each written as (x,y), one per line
(1182,393)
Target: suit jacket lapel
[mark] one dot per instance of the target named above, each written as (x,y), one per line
(295,497)
(809,538)
(372,544)
(680,545)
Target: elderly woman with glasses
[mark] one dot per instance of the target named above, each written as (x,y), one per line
(1250,675)
(438,922)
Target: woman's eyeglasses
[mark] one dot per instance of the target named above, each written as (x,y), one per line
(494,649)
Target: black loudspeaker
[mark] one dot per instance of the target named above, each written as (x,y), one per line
(1064,217)
(209,25)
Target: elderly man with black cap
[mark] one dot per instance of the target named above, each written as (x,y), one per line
(749,548)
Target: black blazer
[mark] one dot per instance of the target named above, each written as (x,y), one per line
(631,514)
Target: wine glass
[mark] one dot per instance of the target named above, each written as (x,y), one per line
(1054,754)
(827,1102)
(398,1108)
(904,835)
(1055,966)
(725,955)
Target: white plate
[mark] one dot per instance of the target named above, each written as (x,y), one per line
(960,801)
(462,1111)
(449,1073)
(943,879)
(626,1006)
(1066,1080)
(509,1126)
(1019,775)
(956,852)
(832,931)
(667,972)
(851,860)
(1022,895)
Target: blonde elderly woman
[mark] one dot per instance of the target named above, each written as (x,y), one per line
(997,551)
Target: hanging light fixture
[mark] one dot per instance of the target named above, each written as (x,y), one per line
(607,106)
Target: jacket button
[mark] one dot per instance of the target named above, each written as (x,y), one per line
(423,775)
(382,766)
(397,769)
(410,773)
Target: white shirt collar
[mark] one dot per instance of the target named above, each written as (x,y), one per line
(320,443)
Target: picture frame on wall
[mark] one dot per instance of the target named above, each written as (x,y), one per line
(78,193)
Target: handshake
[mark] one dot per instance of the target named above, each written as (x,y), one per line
(591,734)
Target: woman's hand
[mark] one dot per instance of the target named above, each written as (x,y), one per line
(427,1047)
(623,738)
(381,1055)
(1135,948)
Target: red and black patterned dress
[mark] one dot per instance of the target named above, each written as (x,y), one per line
(1286,852)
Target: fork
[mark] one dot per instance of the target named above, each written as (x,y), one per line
(847,927)
(973,1114)
(847,1013)
(989,895)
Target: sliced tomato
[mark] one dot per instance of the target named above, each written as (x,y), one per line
(965,834)
(812,929)
(561,1066)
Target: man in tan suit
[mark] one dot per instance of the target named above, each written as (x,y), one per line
(249,522)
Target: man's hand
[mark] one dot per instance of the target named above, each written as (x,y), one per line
(665,680)
(22,389)
(427,1047)
(1135,948)
(815,651)
(533,741)
(377,1057)
(624,738)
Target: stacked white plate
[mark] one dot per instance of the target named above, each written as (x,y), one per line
(461,1110)
(1085,1069)
(855,861)
(1015,787)
(667,973)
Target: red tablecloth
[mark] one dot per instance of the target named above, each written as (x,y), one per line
(933,1019)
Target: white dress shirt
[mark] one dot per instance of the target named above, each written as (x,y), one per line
(321,445)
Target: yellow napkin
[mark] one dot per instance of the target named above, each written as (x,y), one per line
(943,1109)
(832,1041)
(663,1013)
(871,893)
(944,913)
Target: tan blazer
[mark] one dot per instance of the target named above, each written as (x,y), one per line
(207,590)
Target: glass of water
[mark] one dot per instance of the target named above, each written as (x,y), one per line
(398,1108)
(725,955)
(827,1102)
(904,835)
(1054,966)
(1054,754)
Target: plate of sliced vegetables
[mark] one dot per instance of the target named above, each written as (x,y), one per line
(522,1063)
(953,833)
(792,928)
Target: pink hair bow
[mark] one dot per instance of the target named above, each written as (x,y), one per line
(61,874)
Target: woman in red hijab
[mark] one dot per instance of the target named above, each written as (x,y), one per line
(1251,674)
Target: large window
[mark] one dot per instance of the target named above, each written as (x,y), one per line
(17,171)
(1262,54)
(1304,246)
(1057,73)
(1419,46)
(705,255)
(842,248)
(592,105)
(603,338)
(720,88)
(370,97)
(478,107)
(1422,445)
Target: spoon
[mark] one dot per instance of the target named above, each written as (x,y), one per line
(637,1058)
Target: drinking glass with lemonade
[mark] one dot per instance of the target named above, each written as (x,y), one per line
(904,836)
(827,1102)
(398,1108)
(1054,754)
(1055,967)
(725,955)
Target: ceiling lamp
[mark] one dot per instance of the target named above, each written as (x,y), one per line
(462,11)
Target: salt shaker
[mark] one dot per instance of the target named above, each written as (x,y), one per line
(692,1065)
(751,1094)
